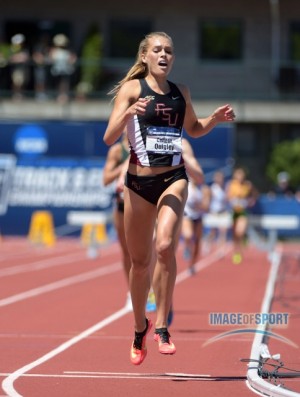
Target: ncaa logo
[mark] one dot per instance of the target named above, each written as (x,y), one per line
(30,139)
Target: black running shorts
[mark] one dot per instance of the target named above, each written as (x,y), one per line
(152,187)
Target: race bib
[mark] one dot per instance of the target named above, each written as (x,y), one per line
(163,140)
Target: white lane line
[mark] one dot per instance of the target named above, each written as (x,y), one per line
(139,374)
(13,251)
(121,375)
(205,262)
(39,265)
(46,263)
(8,383)
(80,278)
(254,381)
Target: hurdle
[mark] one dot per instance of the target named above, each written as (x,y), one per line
(93,228)
(271,224)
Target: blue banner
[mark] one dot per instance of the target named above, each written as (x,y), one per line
(56,185)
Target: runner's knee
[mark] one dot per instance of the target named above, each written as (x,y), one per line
(140,264)
(165,249)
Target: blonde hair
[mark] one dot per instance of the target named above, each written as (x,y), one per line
(139,70)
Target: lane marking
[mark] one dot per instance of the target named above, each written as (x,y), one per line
(120,376)
(45,263)
(66,282)
(8,383)
(137,375)
(254,381)
(203,263)
(12,251)
(116,375)
(41,264)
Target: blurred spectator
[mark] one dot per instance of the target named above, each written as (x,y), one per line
(62,66)
(41,61)
(19,63)
(218,207)
(197,204)
(283,186)
(241,195)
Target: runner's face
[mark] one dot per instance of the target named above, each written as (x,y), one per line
(159,56)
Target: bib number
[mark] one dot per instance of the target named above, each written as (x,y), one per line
(163,140)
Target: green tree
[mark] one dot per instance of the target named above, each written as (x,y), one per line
(285,156)
(91,56)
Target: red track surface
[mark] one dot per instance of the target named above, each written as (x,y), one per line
(64,330)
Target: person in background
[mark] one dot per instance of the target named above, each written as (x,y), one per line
(197,204)
(19,60)
(283,187)
(40,57)
(219,208)
(63,62)
(116,157)
(241,196)
(154,111)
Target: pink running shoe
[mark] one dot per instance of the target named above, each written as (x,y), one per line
(138,351)
(165,345)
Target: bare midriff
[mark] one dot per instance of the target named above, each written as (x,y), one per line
(136,169)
